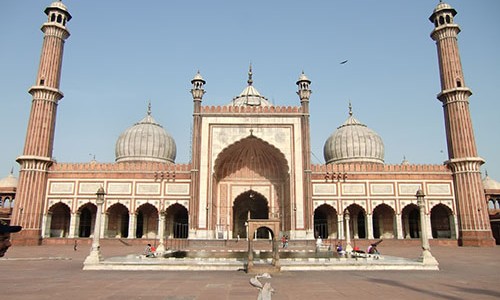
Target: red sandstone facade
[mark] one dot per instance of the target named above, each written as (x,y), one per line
(264,171)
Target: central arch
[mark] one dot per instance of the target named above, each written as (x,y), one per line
(249,205)
(251,179)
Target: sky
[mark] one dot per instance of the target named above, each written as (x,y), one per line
(123,54)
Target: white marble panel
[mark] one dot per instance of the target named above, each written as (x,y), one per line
(148,188)
(89,187)
(324,189)
(177,188)
(381,189)
(353,189)
(409,188)
(115,188)
(62,187)
(439,189)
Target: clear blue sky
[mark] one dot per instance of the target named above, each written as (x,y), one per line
(121,54)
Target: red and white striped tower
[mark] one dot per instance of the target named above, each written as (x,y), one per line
(463,160)
(37,154)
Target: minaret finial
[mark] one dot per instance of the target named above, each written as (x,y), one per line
(250,81)
(350,109)
(149,108)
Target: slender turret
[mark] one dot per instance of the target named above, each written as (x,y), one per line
(37,154)
(474,224)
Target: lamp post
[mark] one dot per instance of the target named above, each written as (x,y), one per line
(348,247)
(426,258)
(95,252)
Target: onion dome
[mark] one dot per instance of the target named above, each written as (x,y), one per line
(490,184)
(354,142)
(146,141)
(9,182)
(250,96)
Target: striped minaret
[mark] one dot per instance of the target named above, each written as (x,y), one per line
(463,160)
(304,93)
(37,154)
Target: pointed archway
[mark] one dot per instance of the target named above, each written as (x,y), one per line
(176,222)
(59,221)
(118,217)
(384,220)
(325,222)
(86,220)
(411,221)
(441,222)
(250,167)
(249,205)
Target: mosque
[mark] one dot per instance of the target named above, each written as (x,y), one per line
(250,161)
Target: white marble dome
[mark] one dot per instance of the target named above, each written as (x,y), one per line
(146,141)
(354,142)
(8,182)
(490,183)
(250,96)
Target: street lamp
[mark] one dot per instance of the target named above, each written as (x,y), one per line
(426,258)
(348,247)
(95,252)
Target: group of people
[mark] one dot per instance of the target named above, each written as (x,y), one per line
(372,249)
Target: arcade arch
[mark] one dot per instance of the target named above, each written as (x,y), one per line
(86,223)
(357,222)
(117,221)
(59,215)
(176,222)
(384,220)
(326,222)
(147,221)
(411,221)
(442,222)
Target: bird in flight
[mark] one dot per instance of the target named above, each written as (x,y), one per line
(343,62)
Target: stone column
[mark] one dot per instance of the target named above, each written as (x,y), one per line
(340,227)
(369,226)
(399,226)
(407,227)
(73,221)
(132,218)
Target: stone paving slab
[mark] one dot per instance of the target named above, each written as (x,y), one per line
(55,272)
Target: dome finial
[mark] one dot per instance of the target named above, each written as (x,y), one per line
(12,171)
(350,109)
(149,108)
(250,81)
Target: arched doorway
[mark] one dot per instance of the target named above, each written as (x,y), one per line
(249,205)
(441,222)
(117,221)
(147,221)
(250,164)
(325,222)
(383,222)
(87,220)
(411,222)
(59,221)
(357,221)
(176,222)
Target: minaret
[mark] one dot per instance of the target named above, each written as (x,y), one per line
(463,160)
(197,91)
(304,93)
(37,154)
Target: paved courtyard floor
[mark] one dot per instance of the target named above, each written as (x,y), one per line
(55,272)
